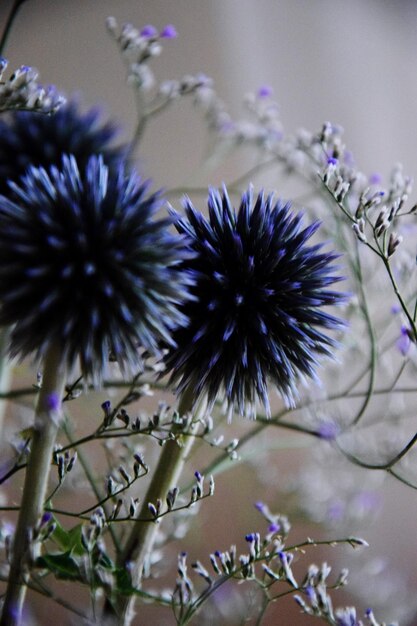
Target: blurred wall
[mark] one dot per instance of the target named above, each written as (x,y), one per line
(353,63)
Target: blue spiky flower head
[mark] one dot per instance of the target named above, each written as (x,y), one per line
(257,311)
(35,139)
(84,264)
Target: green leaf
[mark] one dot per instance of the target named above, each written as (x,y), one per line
(124,582)
(68,540)
(62,565)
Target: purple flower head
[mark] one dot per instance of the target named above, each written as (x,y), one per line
(283,557)
(346,617)
(86,266)
(403,343)
(310,593)
(260,506)
(106,406)
(46,518)
(265,91)
(375,179)
(168,32)
(328,431)
(332,161)
(53,402)
(31,140)
(256,315)
(149,31)
(274,528)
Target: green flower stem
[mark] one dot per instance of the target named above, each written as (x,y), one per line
(143,534)
(36,480)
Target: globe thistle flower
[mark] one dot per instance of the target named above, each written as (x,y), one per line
(85,265)
(33,139)
(256,313)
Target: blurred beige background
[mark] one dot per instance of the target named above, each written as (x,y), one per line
(352,62)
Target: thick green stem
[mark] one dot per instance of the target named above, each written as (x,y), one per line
(143,534)
(46,425)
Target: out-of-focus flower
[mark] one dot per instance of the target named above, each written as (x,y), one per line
(85,265)
(30,139)
(403,343)
(257,311)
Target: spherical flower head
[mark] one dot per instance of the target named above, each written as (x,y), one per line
(85,265)
(257,311)
(39,140)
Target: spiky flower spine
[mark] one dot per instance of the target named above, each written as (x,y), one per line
(85,265)
(29,139)
(257,311)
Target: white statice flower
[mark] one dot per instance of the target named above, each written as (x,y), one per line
(22,92)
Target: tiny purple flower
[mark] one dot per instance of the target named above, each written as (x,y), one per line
(332,161)
(274,528)
(149,31)
(375,179)
(310,593)
(168,32)
(260,506)
(265,91)
(396,308)
(403,342)
(328,431)
(283,556)
(46,518)
(106,406)
(53,402)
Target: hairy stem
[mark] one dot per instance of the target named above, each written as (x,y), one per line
(142,537)
(45,429)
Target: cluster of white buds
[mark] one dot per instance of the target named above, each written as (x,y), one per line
(262,128)
(22,92)
(317,602)
(91,532)
(200,85)
(359,196)
(138,48)
(183,592)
